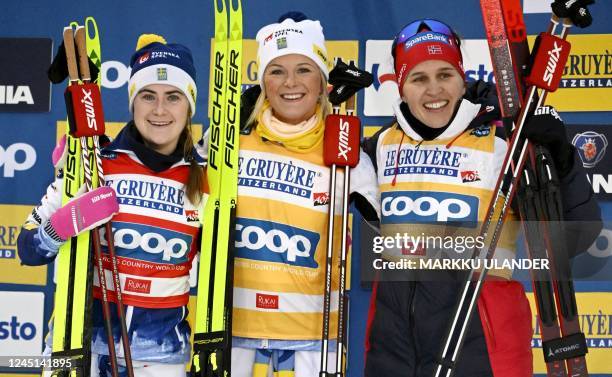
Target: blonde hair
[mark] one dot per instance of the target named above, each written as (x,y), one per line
(323,101)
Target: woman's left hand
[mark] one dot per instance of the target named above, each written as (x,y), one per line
(546,127)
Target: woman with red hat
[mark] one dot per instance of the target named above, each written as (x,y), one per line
(437,166)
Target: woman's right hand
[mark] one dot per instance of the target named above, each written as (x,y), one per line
(83,213)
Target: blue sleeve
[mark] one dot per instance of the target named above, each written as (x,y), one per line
(32,248)
(580,209)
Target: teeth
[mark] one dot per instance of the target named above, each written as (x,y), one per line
(292,96)
(159,123)
(435,105)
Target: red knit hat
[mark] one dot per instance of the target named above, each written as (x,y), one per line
(425,40)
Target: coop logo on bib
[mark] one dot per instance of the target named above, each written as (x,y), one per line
(425,206)
(272,242)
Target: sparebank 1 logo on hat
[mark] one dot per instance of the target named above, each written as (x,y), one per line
(591,147)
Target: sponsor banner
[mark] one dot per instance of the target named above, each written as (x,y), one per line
(11,270)
(595,316)
(21,323)
(591,142)
(24,86)
(587,78)
(383,93)
(25,163)
(347,50)
(587,74)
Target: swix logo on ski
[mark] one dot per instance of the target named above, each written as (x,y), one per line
(272,242)
(343,139)
(90,111)
(422,160)
(144,242)
(275,175)
(16,157)
(141,193)
(591,147)
(551,66)
(399,207)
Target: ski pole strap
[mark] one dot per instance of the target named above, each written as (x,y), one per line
(564,348)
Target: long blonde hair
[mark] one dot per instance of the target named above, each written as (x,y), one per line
(259,104)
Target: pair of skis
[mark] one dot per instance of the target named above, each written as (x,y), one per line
(561,342)
(73,295)
(213,338)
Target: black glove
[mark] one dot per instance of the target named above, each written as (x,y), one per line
(577,11)
(546,127)
(247,105)
(347,80)
(58,70)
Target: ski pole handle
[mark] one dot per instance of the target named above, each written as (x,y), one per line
(79,39)
(73,72)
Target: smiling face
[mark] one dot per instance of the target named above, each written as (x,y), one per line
(160,115)
(293,84)
(432,91)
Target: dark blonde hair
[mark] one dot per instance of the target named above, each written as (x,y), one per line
(195,181)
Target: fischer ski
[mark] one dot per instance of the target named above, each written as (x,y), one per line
(213,318)
(543,76)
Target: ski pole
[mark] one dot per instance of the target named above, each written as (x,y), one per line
(571,345)
(86,78)
(328,258)
(340,148)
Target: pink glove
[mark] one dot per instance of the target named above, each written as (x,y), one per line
(83,213)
